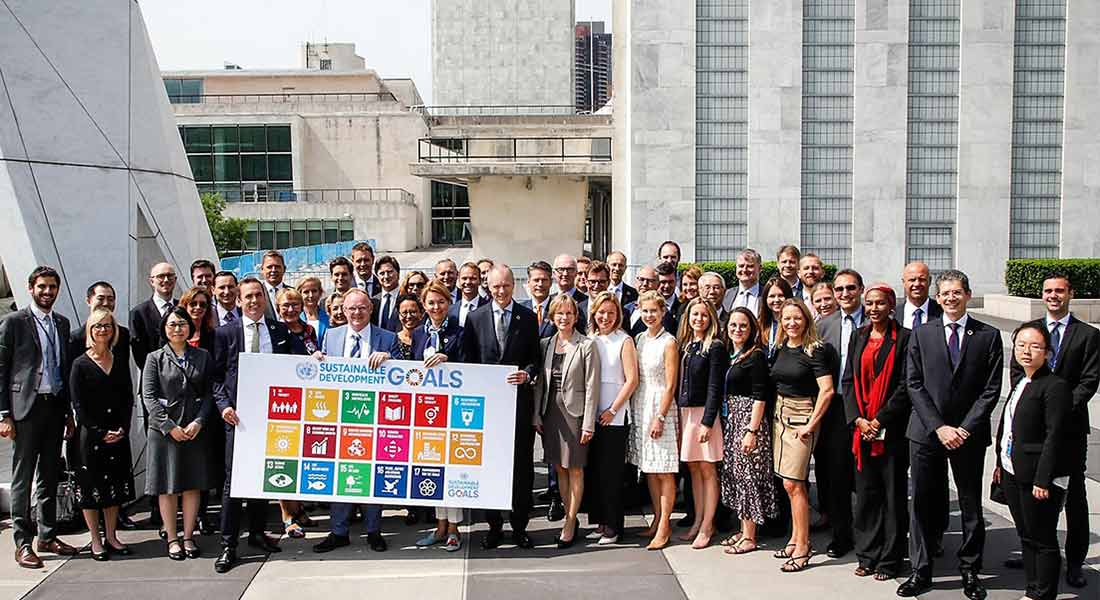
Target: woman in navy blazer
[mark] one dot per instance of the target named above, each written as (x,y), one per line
(1033,463)
(437,341)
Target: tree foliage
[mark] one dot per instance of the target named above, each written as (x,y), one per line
(228,232)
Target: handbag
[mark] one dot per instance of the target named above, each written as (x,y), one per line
(997,493)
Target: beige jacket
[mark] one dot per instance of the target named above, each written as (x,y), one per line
(580,380)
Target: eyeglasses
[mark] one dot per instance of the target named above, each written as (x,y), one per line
(197,305)
(176,325)
(415,284)
(560,270)
(164,277)
(597,281)
(103,326)
(845,288)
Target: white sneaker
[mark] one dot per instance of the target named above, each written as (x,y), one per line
(595,534)
(606,540)
(453,543)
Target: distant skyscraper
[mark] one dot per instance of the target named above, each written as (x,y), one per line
(592,66)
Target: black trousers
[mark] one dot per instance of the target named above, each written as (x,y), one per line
(232,508)
(523,472)
(36,448)
(603,476)
(1037,526)
(881,520)
(928,470)
(1077,509)
(833,467)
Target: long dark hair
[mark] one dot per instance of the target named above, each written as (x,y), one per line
(754,342)
(766,316)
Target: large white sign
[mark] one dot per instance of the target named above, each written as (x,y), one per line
(339,431)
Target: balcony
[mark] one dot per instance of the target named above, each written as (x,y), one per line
(284,98)
(259,193)
(471,157)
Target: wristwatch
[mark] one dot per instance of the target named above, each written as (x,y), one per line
(660,417)
(612,411)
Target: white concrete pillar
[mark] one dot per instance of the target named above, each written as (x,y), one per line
(1081,136)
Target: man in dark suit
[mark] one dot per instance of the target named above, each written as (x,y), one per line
(666,286)
(616,263)
(225,298)
(273,269)
(539,275)
(748,291)
(918,307)
(506,333)
(954,381)
(35,412)
(384,311)
(254,333)
(447,271)
(833,462)
(469,294)
(1075,357)
(565,276)
(647,281)
(145,317)
(362,256)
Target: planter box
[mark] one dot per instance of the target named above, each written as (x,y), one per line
(1027,309)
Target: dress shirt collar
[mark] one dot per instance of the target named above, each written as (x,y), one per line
(857,316)
(1064,321)
(247,322)
(497,309)
(363,283)
(39,313)
(910,307)
(364,333)
(753,290)
(962,321)
(162,304)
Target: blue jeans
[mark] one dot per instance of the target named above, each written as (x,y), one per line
(341,517)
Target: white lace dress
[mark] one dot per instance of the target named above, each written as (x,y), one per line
(661,455)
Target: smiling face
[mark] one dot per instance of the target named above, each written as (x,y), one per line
(388,276)
(915,281)
(699,319)
(646,279)
(102,297)
(44,292)
(162,278)
(748,272)
(876,305)
(273,270)
(793,323)
(1030,349)
(198,306)
(581,281)
(1057,294)
(606,317)
(565,272)
(775,299)
(953,297)
(341,278)
(202,277)
(437,305)
(225,289)
(364,263)
(447,272)
(538,285)
(565,317)
(824,302)
(738,329)
(598,281)
(311,293)
(810,270)
(290,308)
(408,313)
(788,266)
(848,291)
(469,282)
(616,263)
(252,300)
(501,285)
(669,253)
(176,330)
(711,289)
(651,313)
(357,307)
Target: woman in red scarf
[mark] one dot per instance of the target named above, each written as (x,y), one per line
(877,404)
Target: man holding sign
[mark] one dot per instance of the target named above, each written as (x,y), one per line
(505,332)
(357,339)
(254,333)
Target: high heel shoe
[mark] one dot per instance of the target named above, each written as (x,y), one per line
(101,556)
(563,544)
(194,551)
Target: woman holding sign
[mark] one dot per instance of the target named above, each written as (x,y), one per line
(439,340)
(565,406)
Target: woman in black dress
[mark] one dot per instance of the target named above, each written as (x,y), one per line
(103,400)
(410,313)
(774,292)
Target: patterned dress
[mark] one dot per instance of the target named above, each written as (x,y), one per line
(747,487)
(661,455)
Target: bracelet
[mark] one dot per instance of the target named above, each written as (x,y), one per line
(612,411)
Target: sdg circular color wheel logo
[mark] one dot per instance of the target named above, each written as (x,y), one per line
(414,376)
(306,371)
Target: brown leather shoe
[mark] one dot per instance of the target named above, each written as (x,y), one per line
(27,558)
(56,546)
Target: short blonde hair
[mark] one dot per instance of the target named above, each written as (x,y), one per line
(651,296)
(311,281)
(558,302)
(599,300)
(97,317)
(285,293)
(436,286)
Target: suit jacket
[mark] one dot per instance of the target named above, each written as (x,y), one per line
(731,296)
(393,323)
(187,392)
(456,308)
(548,328)
(830,329)
(269,311)
(630,294)
(236,315)
(121,349)
(1040,451)
(145,333)
(229,344)
(521,344)
(934,312)
(893,415)
(450,338)
(580,380)
(373,287)
(961,397)
(669,320)
(1079,365)
(703,378)
(381,340)
(21,359)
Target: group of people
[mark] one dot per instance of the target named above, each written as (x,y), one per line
(732,391)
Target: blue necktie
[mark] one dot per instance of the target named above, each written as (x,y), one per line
(357,348)
(52,366)
(1055,344)
(916,318)
(953,344)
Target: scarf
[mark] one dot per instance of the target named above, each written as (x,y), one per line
(871,384)
(433,333)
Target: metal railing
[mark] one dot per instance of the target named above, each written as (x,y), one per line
(334,196)
(283,98)
(514,149)
(496,110)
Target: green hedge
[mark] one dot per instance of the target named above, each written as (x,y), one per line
(728,270)
(1024,277)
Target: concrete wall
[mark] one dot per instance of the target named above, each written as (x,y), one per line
(342,55)
(393,225)
(517,225)
(275,82)
(1081,138)
(653,197)
(502,52)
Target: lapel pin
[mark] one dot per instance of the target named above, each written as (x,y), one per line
(969,332)
(446,341)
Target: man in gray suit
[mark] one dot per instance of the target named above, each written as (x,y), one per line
(747,293)
(35,412)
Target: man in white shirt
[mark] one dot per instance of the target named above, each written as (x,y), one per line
(388,272)
(787,261)
(918,307)
(446,271)
(273,269)
(616,264)
(810,272)
(362,256)
(747,292)
(469,297)
(225,296)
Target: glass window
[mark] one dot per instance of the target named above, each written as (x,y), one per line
(230,192)
(196,139)
(278,167)
(253,167)
(253,139)
(278,138)
(183,91)
(227,167)
(282,234)
(202,167)
(316,233)
(225,139)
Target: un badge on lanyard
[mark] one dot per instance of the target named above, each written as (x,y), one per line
(429,352)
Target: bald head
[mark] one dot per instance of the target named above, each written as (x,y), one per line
(915,282)
(565,272)
(501,284)
(162,278)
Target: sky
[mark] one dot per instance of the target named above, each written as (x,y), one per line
(394,36)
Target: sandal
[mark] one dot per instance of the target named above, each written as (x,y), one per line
(863,571)
(737,549)
(194,551)
(782,552)
(793,565)
(294,530)
(732,540)
(178,553)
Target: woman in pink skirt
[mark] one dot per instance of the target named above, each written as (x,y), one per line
(703,365)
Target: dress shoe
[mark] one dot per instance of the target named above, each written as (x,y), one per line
(125,523)
(556,512)
(101,556)
(914,586)
(1074,577)
(522,540)
(972,586)
(261,541)
(27,559)
(331,542)
(376,542)
(838,550)
(57,547)
(226,560)
(492,539)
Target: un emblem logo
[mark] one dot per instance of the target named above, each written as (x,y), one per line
(306,371)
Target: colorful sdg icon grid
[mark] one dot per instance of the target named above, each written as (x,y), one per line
(370,444)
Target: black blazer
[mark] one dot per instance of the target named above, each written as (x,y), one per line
(934,312)
(450,337)
(964,397)
(229,344)
(21,358)
(703,378)
(521,344)
(393,323)
(121,349)
(1039,448)
(456,307)
(630,294)
(894,413)
(145,333)
(1078,364)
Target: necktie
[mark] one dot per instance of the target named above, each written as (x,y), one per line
(358,347)
(254,345)
(230,317)
(845,337)
(917,318)
(52,366)
(1055,343)
(953,344)
(502,328)
(538,315)
(384,316)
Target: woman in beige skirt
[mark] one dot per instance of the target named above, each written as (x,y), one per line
(804,387)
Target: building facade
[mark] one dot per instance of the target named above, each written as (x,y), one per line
(872,132)
(591,66)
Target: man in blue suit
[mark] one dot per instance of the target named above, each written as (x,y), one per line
(538,287)
(255,333)
(469,293)
(357,339)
